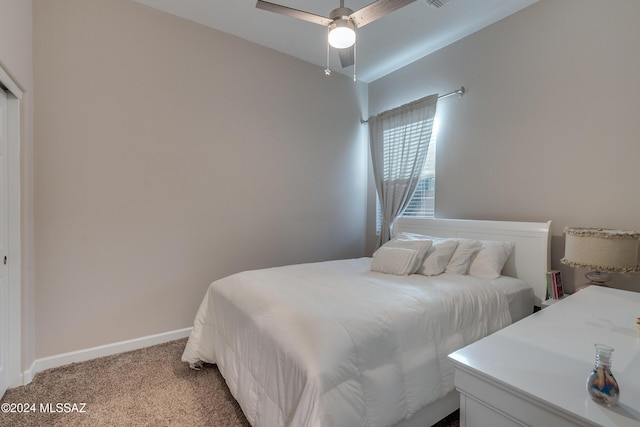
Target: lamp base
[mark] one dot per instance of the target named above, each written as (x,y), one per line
(597,278)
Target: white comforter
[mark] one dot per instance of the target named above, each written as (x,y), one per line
(334,344)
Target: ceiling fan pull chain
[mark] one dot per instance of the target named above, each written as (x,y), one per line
(327,71)
(355,59)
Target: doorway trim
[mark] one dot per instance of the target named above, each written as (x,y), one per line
(14,97)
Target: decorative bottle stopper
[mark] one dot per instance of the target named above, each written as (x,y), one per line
(601,384)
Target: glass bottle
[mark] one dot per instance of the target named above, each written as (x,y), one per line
(601,385)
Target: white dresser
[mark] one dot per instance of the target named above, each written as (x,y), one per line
(533,373)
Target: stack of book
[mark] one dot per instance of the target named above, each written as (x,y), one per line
(555,290)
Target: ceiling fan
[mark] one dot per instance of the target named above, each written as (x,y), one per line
(342,21)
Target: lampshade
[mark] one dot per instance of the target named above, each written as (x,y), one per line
(342,33)
(601,249)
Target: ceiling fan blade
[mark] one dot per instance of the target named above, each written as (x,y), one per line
(376,10)
(347,57)
(295,13)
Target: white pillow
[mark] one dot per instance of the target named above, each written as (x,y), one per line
(415,242)
(403,237)
(438,256)
(410,241)
(399,261)
(488,262)
(461,258)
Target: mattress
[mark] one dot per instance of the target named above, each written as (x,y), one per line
(333,344)
(519,295)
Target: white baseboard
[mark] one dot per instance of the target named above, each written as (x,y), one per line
(40,365)
(27,376)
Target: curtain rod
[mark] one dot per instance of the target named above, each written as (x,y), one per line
(458,92)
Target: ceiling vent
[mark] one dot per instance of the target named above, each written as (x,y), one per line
(436,3)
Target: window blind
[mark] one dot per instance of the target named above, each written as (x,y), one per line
(422,202)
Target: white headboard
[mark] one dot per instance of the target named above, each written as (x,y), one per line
(530,259)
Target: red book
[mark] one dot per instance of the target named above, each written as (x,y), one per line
(558,287)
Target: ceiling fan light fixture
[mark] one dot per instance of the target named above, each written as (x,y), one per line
(342,33)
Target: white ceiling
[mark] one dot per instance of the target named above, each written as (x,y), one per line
(383,46)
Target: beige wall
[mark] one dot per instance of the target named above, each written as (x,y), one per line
(548,129)
(169,155)
(16,58)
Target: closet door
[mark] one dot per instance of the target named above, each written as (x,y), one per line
(4,228)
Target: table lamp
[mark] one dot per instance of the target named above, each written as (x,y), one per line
(602,251)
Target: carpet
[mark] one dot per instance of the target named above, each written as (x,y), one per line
(146,387)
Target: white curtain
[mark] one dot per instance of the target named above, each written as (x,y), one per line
(399,141)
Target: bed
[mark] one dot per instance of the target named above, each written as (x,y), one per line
(337,344)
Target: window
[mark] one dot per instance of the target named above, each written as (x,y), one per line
(422,202)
